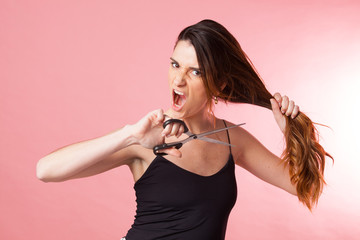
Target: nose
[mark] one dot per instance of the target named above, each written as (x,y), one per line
(179,79)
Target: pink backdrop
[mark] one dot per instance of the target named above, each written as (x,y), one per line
(73,70)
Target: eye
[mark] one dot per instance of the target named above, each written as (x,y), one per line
(196,73)
(174,64)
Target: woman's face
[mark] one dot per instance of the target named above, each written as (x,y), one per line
(185,82)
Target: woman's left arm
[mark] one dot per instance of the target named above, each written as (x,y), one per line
(257,159)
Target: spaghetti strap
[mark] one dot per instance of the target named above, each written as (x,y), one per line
(227,132)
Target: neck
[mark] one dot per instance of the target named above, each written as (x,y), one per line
(198,123)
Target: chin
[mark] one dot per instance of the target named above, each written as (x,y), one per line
(177,114)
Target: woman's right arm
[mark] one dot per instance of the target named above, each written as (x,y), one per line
(103,153)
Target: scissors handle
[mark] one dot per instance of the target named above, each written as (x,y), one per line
(173,120)
(177,145)
(156,149)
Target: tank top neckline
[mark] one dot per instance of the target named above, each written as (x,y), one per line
(230,159)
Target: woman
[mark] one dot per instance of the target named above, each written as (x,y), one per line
(189,193)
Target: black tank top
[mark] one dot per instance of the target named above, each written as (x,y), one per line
(173,203)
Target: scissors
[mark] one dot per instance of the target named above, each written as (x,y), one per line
(191,135)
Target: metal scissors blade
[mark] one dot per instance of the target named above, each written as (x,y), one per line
(201,136)
(192,136)
(206,139)
(216,130)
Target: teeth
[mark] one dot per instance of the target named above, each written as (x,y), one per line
(178,93)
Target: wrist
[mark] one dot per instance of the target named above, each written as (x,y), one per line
(131,134)
(123,137)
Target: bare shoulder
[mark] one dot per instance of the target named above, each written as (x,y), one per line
(244,143)
(239,135)
(253,156)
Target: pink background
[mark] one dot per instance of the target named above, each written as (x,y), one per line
(74,70)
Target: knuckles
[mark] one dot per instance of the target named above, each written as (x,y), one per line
(287,106)
(173,129)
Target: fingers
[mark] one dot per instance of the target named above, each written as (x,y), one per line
(278,98)
(287,106)
(173,129)
(181,131)
(290,109)
(295,112)
(171,151)
(160,115)
(275,107)
(284,104)
(155,117)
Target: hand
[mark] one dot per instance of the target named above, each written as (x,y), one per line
(149,132)
(282,108)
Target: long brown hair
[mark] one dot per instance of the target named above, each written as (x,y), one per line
(228,74)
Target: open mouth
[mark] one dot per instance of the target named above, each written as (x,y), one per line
(179,99)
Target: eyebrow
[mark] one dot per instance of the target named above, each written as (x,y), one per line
(192,68)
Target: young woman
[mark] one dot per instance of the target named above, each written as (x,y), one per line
(189,193)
